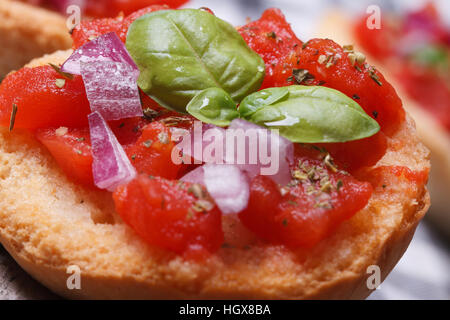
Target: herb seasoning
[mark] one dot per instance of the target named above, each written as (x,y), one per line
(13,117)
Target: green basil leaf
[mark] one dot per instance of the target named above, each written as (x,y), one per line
(213,105)
(261,99)
(182,52)
(314,114)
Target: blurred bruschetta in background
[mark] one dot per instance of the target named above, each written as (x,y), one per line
(27,32)
(32,28)
(104,8)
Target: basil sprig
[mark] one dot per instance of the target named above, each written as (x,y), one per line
(182,52)
(310,114)
(304,114)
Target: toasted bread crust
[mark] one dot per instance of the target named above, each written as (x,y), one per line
(48,223)
(27,32)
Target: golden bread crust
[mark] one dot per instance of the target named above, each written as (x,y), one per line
(27,32)
(48,223)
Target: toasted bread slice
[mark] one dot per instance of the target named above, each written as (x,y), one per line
(48,223)
(337,26)
(27,32)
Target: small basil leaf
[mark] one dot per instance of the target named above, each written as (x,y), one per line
(261,99)
(316,115)
(182,52)
(213,105)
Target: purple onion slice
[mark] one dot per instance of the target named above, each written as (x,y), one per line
(107,47)
(111,166)
(227,185)
(111,89)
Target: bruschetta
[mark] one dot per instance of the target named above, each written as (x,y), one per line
(88,182)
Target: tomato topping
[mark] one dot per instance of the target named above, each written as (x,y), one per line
(88,30)
(111,8)
(71,149)
(44,99)
(176,216)
(91,29)
(363,83)
(152,152)
(316,202)
(128,131)
(327,64)
(354,155)
(135,15)
(272,38)
(182,217)
(262,208)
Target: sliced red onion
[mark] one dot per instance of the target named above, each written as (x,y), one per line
(111,89)
(111,166)
(107,47)
(227,185)
(277,164)
(249,154)
(110,77)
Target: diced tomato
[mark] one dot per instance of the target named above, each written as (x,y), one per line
(91,29)
(171,215)
(259,216)
(40,100)
(152,153)
(71,150)
(327,64)
(129,130)
(272,38)
(308,218)
(354,155)
(148,145)
(310,208)
(135,15)
(111,8)
(364,84)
